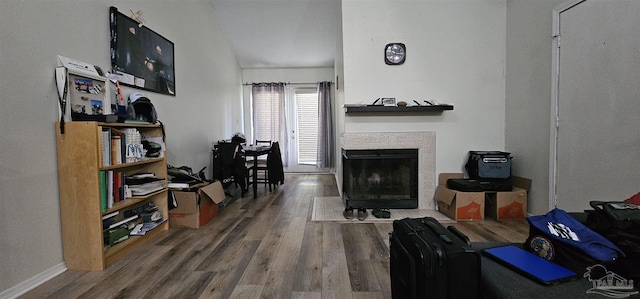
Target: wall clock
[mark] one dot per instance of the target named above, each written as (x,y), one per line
(395,53)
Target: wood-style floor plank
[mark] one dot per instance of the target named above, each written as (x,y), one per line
(309,268)
(362,249)
(266,247)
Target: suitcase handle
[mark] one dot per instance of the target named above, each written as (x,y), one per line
(459,234)
(495,160)
(438,232)
(597,205)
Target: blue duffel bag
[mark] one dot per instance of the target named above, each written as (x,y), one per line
(560,238)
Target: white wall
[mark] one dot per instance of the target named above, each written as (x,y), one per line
(528,94)
(32,34)
(455,54)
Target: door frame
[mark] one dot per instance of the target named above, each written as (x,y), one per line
(292,126)
(555,80)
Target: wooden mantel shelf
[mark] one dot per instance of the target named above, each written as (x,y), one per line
(394,109)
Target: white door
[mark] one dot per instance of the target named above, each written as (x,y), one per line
(595,144)
(302,121)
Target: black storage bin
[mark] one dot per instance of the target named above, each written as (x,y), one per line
(488,165)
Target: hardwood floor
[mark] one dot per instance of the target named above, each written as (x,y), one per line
(261,248)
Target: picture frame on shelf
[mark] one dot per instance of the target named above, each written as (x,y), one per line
(89,97)
(388,101)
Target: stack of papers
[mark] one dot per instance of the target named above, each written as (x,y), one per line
(144,184)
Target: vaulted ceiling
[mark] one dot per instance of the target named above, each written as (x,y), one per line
(281,33)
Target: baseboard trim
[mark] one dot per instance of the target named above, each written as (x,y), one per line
(33,282)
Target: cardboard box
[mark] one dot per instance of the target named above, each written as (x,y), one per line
(197,207)
(509,205)
(458,205)
(470,206)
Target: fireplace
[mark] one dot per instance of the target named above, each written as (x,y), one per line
(425,142)
(380,178)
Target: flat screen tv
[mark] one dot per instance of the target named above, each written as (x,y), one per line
(140,57)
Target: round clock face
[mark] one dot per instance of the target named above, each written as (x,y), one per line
(395,53)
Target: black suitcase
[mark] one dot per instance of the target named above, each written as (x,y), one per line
(428,260)
(479,185)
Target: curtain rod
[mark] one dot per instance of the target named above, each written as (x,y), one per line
(287,83)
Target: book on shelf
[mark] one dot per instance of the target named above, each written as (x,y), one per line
(110,215)
(142,175)
(124,221)
(102,177)
(141,190)
(138,122)
(142,228)
(118,146)
(109,219)
(105,143)
(178,185)
(118,192)
(109,187)
(143,184)
(116,150)
(133,145)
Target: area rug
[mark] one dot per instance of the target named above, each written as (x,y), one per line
(330,209)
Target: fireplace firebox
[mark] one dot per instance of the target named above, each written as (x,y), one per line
(380,178)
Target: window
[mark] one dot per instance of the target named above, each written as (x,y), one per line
(293,115)
(268,116)
(307,125)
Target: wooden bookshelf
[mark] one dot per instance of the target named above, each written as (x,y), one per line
(79,165)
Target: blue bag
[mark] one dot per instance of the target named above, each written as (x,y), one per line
(561,238)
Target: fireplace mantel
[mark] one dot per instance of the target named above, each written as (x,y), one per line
(395,109)
(425,142)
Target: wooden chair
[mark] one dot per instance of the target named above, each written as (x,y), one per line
(262,170)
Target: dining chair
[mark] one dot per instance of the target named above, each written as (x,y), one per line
(262,170)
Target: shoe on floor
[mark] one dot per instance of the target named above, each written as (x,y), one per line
(362,214)
(348,213)
(381,213)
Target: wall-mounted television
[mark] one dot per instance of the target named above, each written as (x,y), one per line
(140,57)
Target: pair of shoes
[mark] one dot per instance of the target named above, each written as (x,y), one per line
(381,213)
(348,213)
(362,214)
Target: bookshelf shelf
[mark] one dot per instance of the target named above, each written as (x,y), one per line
(113,253)
(132,164)
(80,156)
(130,201)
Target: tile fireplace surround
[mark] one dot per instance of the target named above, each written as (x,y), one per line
(425,142)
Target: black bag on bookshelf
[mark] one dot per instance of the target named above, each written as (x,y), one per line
(140,108)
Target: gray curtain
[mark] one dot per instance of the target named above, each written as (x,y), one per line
(326,140)
(269,121)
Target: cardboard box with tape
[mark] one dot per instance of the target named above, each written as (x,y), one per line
(197,206)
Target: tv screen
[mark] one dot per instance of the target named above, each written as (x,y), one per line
(139,56)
